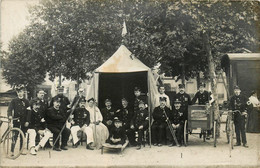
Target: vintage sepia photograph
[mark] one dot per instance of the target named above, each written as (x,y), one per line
(130,83)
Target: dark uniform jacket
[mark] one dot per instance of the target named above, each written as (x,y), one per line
(136,102)
(108,114)
(76,98)
(141,117)
(159,115)
(184,98)
(125,115)
(81,117)
(64,102)
(34,119)
(118,133)
(185,102)
(55,118)
(43,106)
(238,103)
(19,106)
(202,97)
(177,116)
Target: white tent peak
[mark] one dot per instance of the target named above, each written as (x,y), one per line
(122,61)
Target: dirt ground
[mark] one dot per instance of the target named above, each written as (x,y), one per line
(196,154)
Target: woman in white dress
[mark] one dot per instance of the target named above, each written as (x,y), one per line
(100,130)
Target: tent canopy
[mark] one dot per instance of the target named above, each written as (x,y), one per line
(122,61)
(117,77)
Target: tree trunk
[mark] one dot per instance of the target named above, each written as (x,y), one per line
(198,79)
(183,73)
(213,81)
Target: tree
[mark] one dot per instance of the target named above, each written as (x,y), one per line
(21,65)
(74,37)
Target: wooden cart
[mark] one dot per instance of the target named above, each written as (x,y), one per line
(200,117)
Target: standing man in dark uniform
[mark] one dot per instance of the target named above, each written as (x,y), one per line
(202,95)
(18,108)
(80,95)
(177,120)
(125,114)
(56,118)
(64,101)
(239,102)
(185,100)
(159,124)
(203,98)
(108,114)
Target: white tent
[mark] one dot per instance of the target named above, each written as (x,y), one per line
(123,63)
(117,77)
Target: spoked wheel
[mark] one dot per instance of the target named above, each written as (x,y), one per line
(13,143)
(214,133)
(227,130)
(231,135)
(185,133)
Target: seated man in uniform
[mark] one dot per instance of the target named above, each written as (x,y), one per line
(125,114)
(177,120)
(81,121)
(140,122)
(159,125)
(37,124)
(117,135)
(56,118)
(108,114)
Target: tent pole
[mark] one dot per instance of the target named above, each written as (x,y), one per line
(149,109)
(95,127)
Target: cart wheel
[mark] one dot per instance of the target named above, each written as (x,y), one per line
(185,134)
(227,129)
(231,135)
(214,133)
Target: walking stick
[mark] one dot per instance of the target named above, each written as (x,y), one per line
(171,128)
(72,110)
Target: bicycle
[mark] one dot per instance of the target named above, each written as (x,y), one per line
(11,149)
(230,129)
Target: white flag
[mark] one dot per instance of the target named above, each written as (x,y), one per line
(124,31)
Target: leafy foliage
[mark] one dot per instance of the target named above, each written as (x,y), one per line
(76,36)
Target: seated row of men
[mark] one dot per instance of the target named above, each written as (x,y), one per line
(47,120)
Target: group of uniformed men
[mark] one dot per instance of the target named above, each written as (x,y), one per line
(38,117)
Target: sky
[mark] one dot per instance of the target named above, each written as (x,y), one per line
(14,18)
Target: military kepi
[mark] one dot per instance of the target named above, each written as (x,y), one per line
(236,87)
(181,85)
(162,98)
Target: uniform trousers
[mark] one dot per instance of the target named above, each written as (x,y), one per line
(178,134)
(64,135)
(32,135)
(240,129)
(158,132)
(87,130)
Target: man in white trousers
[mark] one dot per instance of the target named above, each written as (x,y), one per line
(37,125)
(81,121)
